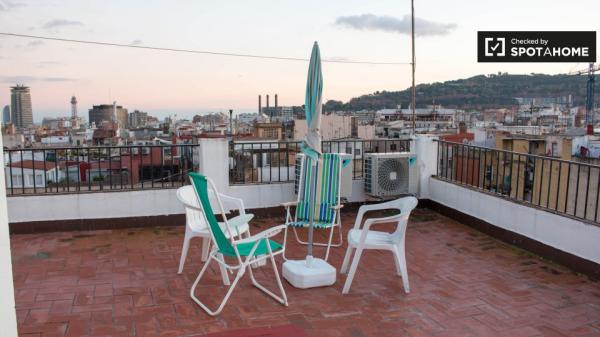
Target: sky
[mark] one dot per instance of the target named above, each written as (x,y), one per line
(164,83)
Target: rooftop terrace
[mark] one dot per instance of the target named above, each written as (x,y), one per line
(463,283)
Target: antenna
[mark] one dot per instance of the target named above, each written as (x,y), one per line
(414,94)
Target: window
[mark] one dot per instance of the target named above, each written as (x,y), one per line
(39,179)
(357,152)
(393,147)
(17,180)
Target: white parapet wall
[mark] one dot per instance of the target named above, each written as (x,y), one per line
(8,316)
(93,205)
(570,235)
(564,233)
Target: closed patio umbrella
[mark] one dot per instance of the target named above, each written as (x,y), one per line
(311,272)
(311,146)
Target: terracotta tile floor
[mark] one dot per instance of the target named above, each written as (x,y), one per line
(464,283)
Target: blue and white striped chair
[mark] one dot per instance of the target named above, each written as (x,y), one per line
(327,205)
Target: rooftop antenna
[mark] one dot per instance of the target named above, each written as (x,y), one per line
(414,95)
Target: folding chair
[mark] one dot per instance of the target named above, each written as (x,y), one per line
(327,199)
(246,251)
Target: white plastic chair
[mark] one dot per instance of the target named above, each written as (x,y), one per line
(195,225)
(365,238)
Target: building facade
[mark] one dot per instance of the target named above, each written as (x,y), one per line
(6,114)
(138,119)
(105,113)
(21,111)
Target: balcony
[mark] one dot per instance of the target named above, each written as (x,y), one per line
(103,261)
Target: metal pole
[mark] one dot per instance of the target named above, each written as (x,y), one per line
(311,205)
(414,94)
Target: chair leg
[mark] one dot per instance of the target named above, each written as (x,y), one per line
(285,232)
(205,248)
(400,257)
(352,271)
(224,274)
(283,299)
(184,251)
(346,263)
(329,242)
(240,273)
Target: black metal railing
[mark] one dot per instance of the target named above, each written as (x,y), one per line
(562,186)
(97,168)
(273,162)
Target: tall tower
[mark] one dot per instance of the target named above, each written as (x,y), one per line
(73,107)
(20,101)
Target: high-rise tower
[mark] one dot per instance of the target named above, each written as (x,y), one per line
(20,101)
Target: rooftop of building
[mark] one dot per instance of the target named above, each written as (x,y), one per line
(463,283)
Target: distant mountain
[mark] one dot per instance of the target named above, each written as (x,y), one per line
(478,92)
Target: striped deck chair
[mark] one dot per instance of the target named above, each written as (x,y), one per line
(327,205)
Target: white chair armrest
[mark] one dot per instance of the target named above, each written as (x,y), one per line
(236,202)
(336,207)
(267,233)
(374,207)
(373,221)
(289,204)
(190,206)
(240,220)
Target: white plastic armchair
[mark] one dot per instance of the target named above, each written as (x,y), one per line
(366,238)
(196,225)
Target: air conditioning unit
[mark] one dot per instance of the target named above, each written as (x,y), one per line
(391,174)
(345,183)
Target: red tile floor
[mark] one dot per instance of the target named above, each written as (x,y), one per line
(464,283)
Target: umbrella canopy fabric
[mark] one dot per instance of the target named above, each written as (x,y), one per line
(311,146)
(313,105)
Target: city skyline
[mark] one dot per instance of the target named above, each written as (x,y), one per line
(164,83)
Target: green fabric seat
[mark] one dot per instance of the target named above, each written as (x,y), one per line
(262,249)
(225,247)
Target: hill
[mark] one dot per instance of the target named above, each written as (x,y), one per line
(478,92)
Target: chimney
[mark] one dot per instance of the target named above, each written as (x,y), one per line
(259,104)
(267,101)
(275,101)
(230,122)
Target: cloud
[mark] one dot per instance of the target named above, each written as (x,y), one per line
(57,79)
(136,42)
(57,24)
(6,5)
(44,64)
(394,25)
(17,79)
(34,44)
(28,79)
(337,58)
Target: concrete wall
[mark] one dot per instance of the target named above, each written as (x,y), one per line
(8,317)
(569,235)
(93,205)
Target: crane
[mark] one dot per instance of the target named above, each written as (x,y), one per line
(589,101)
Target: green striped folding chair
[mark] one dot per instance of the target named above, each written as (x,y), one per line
(245,252)
(327,206)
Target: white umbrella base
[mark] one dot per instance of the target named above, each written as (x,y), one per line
(303,276)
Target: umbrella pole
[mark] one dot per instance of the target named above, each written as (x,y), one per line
(312,194)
